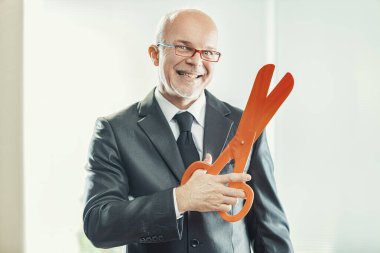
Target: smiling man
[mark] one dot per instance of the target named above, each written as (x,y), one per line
(184,74)
(138,156)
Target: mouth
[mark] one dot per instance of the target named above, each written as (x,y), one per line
(188,74)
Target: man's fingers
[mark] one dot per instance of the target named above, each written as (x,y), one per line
(208,158)
(199,172)
(224,208)
(233,192)
(233,177)
(229,200)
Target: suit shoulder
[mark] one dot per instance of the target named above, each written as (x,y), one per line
(233,109)
(124,118)
(228,110)
(236,112)
(121,114)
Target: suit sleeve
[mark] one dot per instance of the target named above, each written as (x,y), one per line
(110,218)
(266,222)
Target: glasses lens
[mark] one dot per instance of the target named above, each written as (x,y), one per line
(207,55)
(184,51)
(210,55)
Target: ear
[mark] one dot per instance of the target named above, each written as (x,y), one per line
(153,53)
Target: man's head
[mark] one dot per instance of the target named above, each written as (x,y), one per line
(182,79)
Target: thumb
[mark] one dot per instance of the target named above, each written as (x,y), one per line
(208,158)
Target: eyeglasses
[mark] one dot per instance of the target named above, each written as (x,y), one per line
(185,51)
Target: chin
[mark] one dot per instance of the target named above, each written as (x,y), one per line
(193,94)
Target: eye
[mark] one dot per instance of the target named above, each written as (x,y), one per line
(208,53)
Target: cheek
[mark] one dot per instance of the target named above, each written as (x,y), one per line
(165,70)
(209,69)
(168,68)
(209,65)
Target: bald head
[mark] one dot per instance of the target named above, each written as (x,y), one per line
(192,17)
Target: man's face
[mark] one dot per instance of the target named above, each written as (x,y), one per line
(186,77)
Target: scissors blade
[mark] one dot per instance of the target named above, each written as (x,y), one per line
(275,99)
(255,123)
(256,99)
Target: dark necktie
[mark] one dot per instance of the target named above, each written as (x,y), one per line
(185,140)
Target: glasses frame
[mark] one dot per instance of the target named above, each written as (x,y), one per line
(200,51)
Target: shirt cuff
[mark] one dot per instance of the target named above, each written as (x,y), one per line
(177,213)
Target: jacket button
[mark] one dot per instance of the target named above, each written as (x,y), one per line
(194,243)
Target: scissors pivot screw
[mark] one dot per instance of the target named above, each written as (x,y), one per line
(242,142)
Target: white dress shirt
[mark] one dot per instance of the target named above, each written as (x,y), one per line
(198,110)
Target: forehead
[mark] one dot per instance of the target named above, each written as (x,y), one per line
(198,30)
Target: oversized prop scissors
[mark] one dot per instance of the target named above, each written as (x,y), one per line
(259,110)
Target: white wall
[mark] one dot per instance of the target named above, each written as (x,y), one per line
(85,59)
(327,139)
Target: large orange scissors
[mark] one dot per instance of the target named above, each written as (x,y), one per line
(259,110)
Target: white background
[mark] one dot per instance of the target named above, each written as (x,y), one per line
(84,59)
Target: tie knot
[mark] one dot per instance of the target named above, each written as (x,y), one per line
(184,120)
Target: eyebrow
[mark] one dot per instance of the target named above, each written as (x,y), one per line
(188,43)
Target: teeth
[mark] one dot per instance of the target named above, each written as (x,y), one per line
(191,75)
(188,74)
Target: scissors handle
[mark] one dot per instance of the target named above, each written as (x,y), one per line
(238,185)
(212,169)
(247,204)
(198,165)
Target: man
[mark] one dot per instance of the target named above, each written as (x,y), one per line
(137,158)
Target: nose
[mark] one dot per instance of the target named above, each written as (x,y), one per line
(195,60)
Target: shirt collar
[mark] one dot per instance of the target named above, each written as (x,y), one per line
(197,109)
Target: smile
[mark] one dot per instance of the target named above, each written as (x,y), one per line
(190,75)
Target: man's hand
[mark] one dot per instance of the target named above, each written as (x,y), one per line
(205,193)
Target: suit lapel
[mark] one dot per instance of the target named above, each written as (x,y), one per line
(158,130)
(216,131)
(217,126)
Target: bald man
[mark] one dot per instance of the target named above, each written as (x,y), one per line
(138,156)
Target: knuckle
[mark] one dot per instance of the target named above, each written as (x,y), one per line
(235,192)
(228,208)
(219,178)
(238,177)
(232,177)
(215,190)
(229,192)
(227,177)
(222,208)
(233,201)
(239,193)
(198,172)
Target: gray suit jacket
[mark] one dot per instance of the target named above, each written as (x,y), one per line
(133,165)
